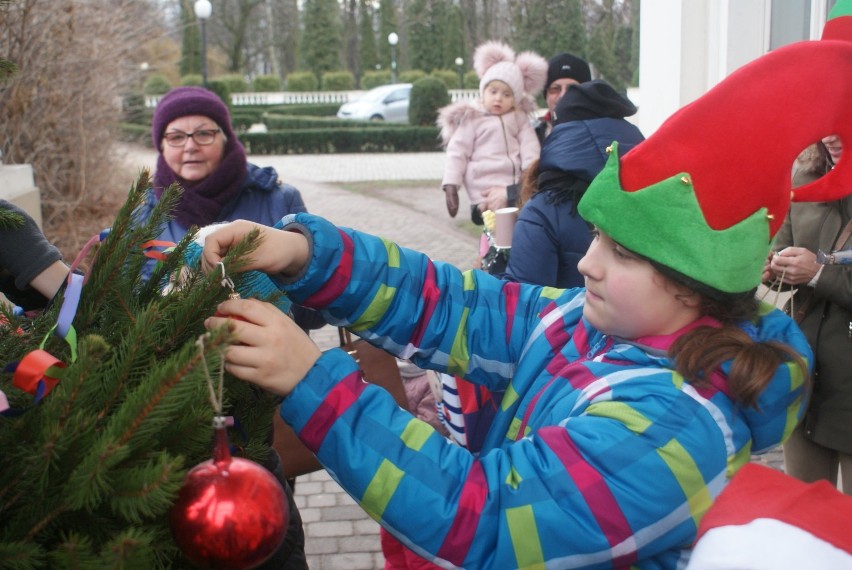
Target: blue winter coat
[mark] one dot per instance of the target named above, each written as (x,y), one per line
(550,237)
(263,198)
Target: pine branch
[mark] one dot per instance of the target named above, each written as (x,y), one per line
(106,451)
(9,219)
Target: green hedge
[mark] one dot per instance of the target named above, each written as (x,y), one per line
(411,76)
(302,81)
(338,81)
(241,119)
(326,141)
(157,84)
(471,80)
(372,79)
(448,76)
(236,83)
(133,133)
(266,83)
(306,110)
(192,80)
(281,122)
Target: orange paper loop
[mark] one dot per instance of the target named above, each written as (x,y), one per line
(33,368)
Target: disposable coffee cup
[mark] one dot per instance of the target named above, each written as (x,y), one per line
(504,226)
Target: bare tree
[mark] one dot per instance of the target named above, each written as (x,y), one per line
(350,36)
(59,112)
(232,28)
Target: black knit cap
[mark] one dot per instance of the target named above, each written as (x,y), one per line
(565,65)
(592,100)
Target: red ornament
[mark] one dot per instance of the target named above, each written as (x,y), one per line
(230,513)
(223,315)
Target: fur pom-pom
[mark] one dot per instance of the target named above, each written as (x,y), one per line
(534,70)
(453,115)
(490,53)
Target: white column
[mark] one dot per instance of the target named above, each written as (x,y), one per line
(688,46)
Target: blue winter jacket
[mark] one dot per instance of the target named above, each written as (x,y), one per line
(550,237)
(263,198)
(600,455)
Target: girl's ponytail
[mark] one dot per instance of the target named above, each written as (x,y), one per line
(700,352)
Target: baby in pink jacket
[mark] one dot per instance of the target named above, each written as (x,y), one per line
(491,140)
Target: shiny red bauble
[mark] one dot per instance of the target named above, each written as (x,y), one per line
(223,315)
(230,513)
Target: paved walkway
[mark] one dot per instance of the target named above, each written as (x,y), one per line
(339,535)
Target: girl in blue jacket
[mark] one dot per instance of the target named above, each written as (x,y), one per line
(626,406)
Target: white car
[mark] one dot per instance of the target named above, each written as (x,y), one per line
(385,103)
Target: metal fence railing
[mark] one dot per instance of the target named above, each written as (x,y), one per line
(308,97)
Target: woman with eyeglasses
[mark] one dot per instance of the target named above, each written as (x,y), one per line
(191,129)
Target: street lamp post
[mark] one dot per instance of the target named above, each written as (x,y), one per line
(460,67)
(203,9)
(393,39)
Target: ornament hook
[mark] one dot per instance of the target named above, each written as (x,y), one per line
(216,392)
(228,282)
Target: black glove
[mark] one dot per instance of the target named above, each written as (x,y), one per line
(452,196)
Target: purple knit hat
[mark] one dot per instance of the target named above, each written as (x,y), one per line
(184,101)
(202,201)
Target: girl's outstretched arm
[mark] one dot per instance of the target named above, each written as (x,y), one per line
(278,252)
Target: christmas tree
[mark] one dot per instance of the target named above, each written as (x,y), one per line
(90,468)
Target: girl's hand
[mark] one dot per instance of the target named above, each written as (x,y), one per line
(277,251)
(273,352)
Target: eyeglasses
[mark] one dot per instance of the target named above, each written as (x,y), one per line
(203,137)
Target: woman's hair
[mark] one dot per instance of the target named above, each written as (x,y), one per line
(529,183)
(700,352)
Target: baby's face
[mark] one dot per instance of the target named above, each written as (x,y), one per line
(497,98)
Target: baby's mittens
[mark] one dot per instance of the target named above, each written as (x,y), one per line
(451,193)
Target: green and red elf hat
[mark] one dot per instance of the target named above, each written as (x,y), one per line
(706,193)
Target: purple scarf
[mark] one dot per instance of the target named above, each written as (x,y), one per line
(202,201)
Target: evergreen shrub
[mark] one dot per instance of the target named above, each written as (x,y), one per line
(427,96)
(157,84)
(266,84)
(338,81)
(221,89)
(448,76)
(192,80)
(471,80)
(302,81)
(372,79)
(411,76)
(236,83)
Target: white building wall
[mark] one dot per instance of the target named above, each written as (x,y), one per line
(688,46)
